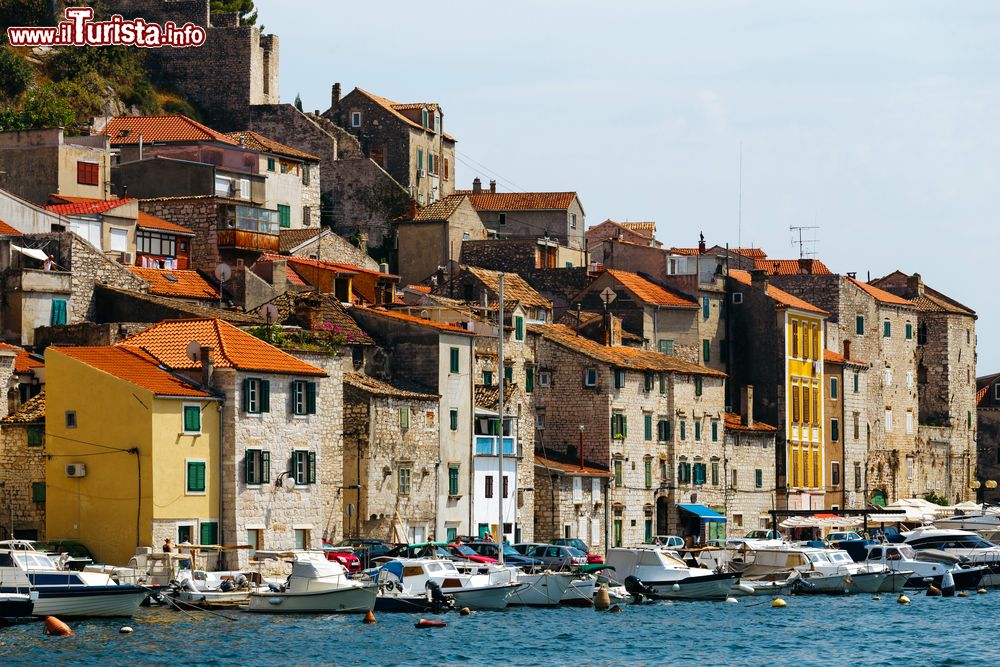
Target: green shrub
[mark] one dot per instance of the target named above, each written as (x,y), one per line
(25,12)
(43,107)
(15,74)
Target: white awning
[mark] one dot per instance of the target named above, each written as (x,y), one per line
(30,252)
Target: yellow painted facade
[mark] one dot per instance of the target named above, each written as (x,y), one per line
(135,451)
(804,407)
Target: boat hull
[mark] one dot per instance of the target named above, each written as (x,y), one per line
(350,600)
(541,590)
(79,601)
(212,599)
(965,579)
(764,588)
(485,597)
(579,594)
(406,604)
(843,584)
(708,587)
(15,607)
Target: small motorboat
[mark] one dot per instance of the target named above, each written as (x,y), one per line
(475,591)
(211,590)
(17,607)
(764,587)
(970,522)
(543,589)
(649,571)
(926,567)
(395,597)
(315,586)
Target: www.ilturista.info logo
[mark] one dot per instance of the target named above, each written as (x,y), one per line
(79,30)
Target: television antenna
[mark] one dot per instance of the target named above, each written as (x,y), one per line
(806,240)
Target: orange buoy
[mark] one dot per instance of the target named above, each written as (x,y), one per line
(369,617)
(424,623)
(53,626)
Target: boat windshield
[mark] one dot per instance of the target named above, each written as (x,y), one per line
(34,561)
(840,557)
(817,557)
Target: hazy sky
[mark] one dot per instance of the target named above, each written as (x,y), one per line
(876,121)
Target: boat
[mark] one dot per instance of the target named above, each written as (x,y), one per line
(489,590)
(970,522)
(543,589)
(211,590)
(653,572)
(394,596)
(975,549)
(765,587)
(65,593)
(17,607)
(315,586)
(821,570)
(924,569)
(580,592)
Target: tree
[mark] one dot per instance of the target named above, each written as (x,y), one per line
(15,74)
(245,8)
(298,101)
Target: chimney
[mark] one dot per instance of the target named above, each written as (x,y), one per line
(493,186)
(477,186)
(847,349)
(916,284)
(335,96)
(279,275)
(606,325)
(411,210)
(701,243)
(206,366)
(758,279)
(746,405)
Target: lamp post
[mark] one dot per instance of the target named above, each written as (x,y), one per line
(980,488)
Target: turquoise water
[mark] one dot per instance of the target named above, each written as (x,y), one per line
(810,631)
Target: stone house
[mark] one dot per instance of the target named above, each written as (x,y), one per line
(846,412)
(408,141)
(879,328)
(638,233)
(431,237)
(988,436)
(22,465)
(946,377)
(571,498)
(473,285)
(282,424)
(748,469)
(587,395)
(530,215)
(59,164)
(439,357)
(323,244)
(391,460)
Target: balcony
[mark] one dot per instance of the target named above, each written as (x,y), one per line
(486,445)
(31,280)
(248,228)
(242,239)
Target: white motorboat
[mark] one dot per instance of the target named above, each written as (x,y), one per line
(975,549)
(544,589)
(920,571)
(17,607)
(970,522)
(653,572)
(490,590)
(580,592)
(65,593)
(765,587)
(820,570)
(215,589)
(315,586)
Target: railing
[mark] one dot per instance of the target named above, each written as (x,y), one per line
(486,445)
(242,239)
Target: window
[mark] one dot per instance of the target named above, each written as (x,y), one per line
(245,188)
(697,429)
(405,473)
(284,215)
(859,325)
(663,383)
(572,220)
(420,159)
(87,173)
(185,533)
(663,430)
(795,338)
(857,383)
(453,479)
(888,420)
(909,379)
(909,331)
(886,328)
(71,419)
(715,473)
(453,418)
(518,328)
(270,164)
(155,243)
(38,492)
(488,378)
(304,467)
(619,426)
(256,395)
(355,119)
(36,435)
(529,380)
(544,378)
(423,118)
(58,313)
(301,538)
(683,429)
(683,472)
(909,467)
(196,477)
(620,378)
(118,239)
(806,342)
(445,161)
(590,377)
(697,385)
(506,487)
(835,474)
(796,404)
(706,307)
(735,478)
(888,376)
(706,350)
(404,418)
(857,426)
(209,532)
(453,354)
(667,347)
(834,430)
(758,478)
(192,418)
(699,473)
(737,297)
(303,397)
(648,382)
(257,466)
(540,421)
(619,482)
(647,427)
(502,218)
(508,374)
(834,389)
(715,430)
(857,476)
(909,421)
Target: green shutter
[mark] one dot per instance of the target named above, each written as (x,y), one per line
(284,215)
(420,158)
(705,307)
(310,398)
(270,164)
(265,395)
(833,388)
(697,385)
(663,383)
(647,426)
(856,383)
(758,478)
(192,418)
(265,466)
(887,329)
(683,429)
(311,471)
(519,328)
(624,426)
(706,350)
(209,532)
(454,419)
(454,360)
(529,380)
(697,430)
(909,331)
(38,492)
(35,435)
(58,313)
(649,473)
(835,430)
(619,481)
(196,476)
(248,467)
(508,374)
(488,378)
(452,480)
(246,394)
(859,325)
(715,431)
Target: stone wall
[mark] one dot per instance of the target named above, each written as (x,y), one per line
(746,503)
(20,467)
(363,198)
(87,333)
(334,248)
(988,448)
(90,267)
(855,434)
(559,515)
(200,215)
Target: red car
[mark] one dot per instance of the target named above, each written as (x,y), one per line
(345,556)
(465,552)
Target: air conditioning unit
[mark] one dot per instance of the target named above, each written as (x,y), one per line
(421,173)
(128,258)
(76,470)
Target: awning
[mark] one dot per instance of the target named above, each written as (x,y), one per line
(705,514)
(31,252)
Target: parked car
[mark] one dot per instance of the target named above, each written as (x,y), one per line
(668,541)
(343,555)
(554,555)
(366,548)
(511,556)
(465,552)
(582,546)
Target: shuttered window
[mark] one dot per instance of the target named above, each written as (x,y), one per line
(453,480)
(619,426)
(257,466)
(256,395)
(529,380)
(454,359)
(209,532)
(58,313)
(192,419)
(196,476)
(303,397)
(647,427)
(38,492)
(648,470)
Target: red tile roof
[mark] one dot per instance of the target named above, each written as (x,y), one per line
(650,292)
(84,206)
(981,396)
(440,210)
(7,230)
(519,201)
(162,129)
(135,367)
(684,251)
(324,264)
(792,267)
(31,411)
(516,288)
(423,289)
(258,142)
(780,296)
(646,229)
(735,423)
(837,358)
(23,362)
(147,221)
(394,108)
(570,468)
(750,253)
(182,284)
(413,319)
(231,347)
(880,295)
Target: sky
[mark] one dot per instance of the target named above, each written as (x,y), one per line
(876,122)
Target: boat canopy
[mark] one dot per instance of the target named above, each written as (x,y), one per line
(705,514)
(821,521)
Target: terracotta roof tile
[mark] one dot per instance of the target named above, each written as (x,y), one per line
(181,284)
(184,308)
(161,129)
(750,253)
(423,289)
(85,206)
(570,468)
(24,361)
(440,210)
(30,412)
(295,307)
(324,264)
(133,366)
(487,397)
(413,319)
(735,423)
(289,238)
(370,385)
(231,347)
(394,108)
(519,201)
(147,221)
(982,396)
(837,358)
(791,267)
(258,142)
(649,292)
(619,356)
(880,295)
(7,230)
(779,296)
(516,288)
(645,228)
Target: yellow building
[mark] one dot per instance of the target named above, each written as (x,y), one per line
(804,408)
(133,453)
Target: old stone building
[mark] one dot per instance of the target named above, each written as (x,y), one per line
(22,466)
(391,460)
(323,244)
(571,498)
(431,237)
(846,412)
(590,392)
(988,436)
(748,470)
(474,285)
(639,233)
(59,164)
(530,215)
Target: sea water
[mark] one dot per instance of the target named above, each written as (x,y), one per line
(853,631)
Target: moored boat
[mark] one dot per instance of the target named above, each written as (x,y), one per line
(653,572)
(316,585)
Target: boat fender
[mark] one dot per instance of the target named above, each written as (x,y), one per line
(778,603)
(877,597)
(125,630)
(933,591)
(902,599)
(602,598)
(423,624)
(369,618)
(981,590)
(731,600)
(615,609)
(56,628)
(963,594)
(948,585)
(744,588)
(275,600)
(465,611)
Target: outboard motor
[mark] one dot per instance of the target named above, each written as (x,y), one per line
(638,590)
(242,582)
(227,586)
(439,601)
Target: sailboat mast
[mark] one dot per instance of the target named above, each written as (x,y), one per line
(500,337)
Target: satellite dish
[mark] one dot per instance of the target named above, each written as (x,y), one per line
(193,351)
(269,312)
(223,272)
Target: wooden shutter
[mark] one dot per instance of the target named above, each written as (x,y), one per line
(647,426)
(265,466)
(529,380)
(248,467)
(265,396)
(310,398)
(312,468)
(246,394)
